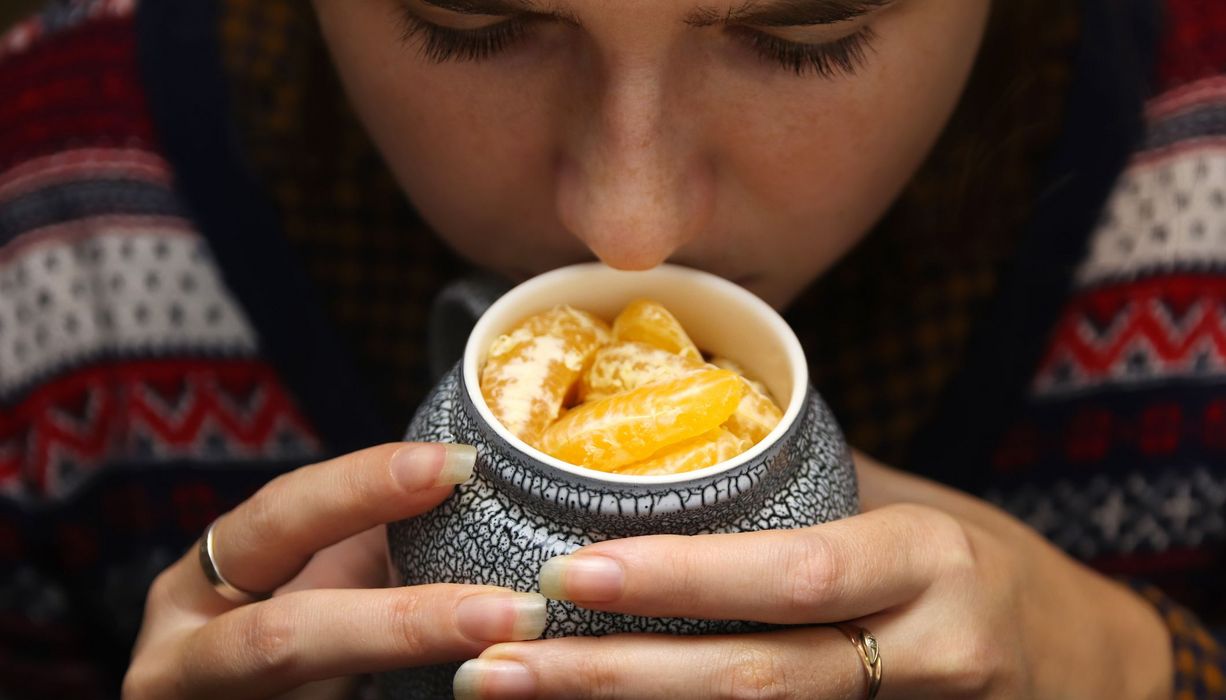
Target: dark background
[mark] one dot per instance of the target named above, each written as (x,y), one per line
(13,10)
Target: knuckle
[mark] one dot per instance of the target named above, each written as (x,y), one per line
(139,683)
(974,668)
(814,569)
(599,678)
(684,574)
(269,637)
(359,485)
(263,512)
(409,625)
(160,592)
(949,546)
(750,673)
(956,546)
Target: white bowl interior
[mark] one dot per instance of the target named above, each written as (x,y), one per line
(722,318)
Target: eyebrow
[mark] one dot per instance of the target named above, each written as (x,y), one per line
(503,7)
(760,13)
(484,7)
(787,13)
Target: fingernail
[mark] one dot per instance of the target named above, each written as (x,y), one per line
(493,678)
(419,467)
(590,579)
(502,617)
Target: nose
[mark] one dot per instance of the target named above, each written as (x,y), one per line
(632,180)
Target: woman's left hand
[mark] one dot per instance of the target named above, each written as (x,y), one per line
(964,600)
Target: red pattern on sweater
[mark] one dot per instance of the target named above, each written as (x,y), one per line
(81,88)
(100,413)
(1194,46)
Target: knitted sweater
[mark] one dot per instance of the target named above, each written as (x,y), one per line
(186,310)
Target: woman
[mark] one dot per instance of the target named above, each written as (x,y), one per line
(761,141)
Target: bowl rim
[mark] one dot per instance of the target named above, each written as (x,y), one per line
(783,334)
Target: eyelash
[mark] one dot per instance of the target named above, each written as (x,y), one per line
(445,44)
(837,58)
(842,57)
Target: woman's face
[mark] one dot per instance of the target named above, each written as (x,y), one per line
(756,139)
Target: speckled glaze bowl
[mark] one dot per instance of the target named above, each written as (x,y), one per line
(523,507)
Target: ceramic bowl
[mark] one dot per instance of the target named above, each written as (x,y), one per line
(523,507)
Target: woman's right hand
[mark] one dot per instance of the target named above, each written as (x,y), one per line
(316,537)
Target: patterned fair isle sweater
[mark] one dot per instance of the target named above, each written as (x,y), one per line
(152,375)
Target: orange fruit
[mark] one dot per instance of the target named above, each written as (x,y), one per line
(628,365)
(734,366)
(634,425)
(757,413)
(647,321)
(712,447)
(754,417)
(533,367)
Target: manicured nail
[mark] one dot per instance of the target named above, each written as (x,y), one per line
(419,467)
(493,678)
(589,579)
(502,617)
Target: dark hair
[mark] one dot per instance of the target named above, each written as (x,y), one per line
(981,175)
(887,326)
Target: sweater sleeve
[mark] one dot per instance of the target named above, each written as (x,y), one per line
(1200,658)
(44,649)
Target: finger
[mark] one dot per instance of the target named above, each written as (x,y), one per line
(810,662)
(269,647)
(267,539)
(836,571)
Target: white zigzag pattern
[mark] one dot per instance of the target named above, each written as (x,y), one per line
(1138,360)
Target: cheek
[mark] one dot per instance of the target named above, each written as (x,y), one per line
(472,151)
(833,156)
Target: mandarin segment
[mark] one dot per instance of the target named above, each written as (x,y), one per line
(755,416)
(757,413)
(734,366)
(532,368)
(647,321)
(712,447)
(624,366)
(634,425)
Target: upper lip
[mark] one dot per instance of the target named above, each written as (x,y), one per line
(743,279)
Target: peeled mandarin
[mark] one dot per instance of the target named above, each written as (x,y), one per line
(532,368)
(757,413)
(634,425)
(712,447)
(734,366)
(647,321)
(628,365)
(754,417)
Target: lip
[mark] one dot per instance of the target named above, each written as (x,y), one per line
(522,274)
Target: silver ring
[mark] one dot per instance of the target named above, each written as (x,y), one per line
(224,588)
